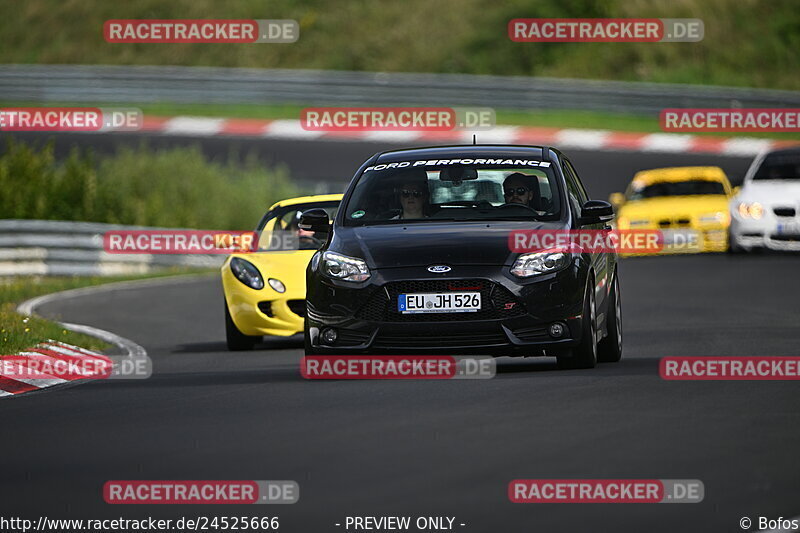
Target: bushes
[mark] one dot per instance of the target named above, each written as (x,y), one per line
(142,186)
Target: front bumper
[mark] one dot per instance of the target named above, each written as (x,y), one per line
(514,318)
(264,311)
(766,233)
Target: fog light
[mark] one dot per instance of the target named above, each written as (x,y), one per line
(329,336)
(556,330)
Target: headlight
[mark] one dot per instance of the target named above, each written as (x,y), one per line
(712,218)
(752,210)
(277,285)
(247,273)
(528,265)
(344,268)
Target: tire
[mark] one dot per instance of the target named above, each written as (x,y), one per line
(609,350)
(585,354)
(236,340)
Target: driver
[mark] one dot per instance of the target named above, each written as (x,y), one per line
(414,199)
(519,188)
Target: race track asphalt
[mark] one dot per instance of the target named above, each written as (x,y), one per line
(443,448)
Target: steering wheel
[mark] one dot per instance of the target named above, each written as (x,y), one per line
(505,206)
(312,239)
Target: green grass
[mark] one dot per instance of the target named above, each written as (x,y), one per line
(18,333)
(556,118)
(752,43)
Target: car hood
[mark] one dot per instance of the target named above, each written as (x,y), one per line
(669,206)
(771,192)
(430,243)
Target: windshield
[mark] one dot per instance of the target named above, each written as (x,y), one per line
(677,188)
(779,167)
(279,231)
(424,193)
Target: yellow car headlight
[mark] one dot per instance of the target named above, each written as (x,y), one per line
(720,217)
(277,285)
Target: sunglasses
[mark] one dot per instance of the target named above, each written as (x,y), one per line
(519,191)
(405,193)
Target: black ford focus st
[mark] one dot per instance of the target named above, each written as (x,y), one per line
(417,260)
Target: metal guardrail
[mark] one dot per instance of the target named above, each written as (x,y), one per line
(58,248)
(142,84)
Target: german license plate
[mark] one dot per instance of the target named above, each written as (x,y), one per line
(789,228)
(448,302)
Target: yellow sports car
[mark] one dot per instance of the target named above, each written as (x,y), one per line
(688,204)
(265,290)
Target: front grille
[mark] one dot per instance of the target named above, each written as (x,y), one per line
(675,223)
(532,334)
(440,340)
(497,302)
(351,338)
(784,211)
(297,307)
(785,237)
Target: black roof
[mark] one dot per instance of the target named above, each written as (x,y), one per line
(790,150)
(507,151)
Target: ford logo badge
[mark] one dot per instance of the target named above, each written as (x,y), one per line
(439,269)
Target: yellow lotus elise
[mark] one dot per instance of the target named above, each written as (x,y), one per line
(265,290)
(689,205)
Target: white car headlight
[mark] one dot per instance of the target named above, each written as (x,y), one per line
(344,268)
(752,210)
(532,264)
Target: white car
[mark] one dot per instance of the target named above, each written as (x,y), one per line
(766,212)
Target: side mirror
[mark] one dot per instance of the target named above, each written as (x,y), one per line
(736,190)
(596,212)
(616,199)
(314,220)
